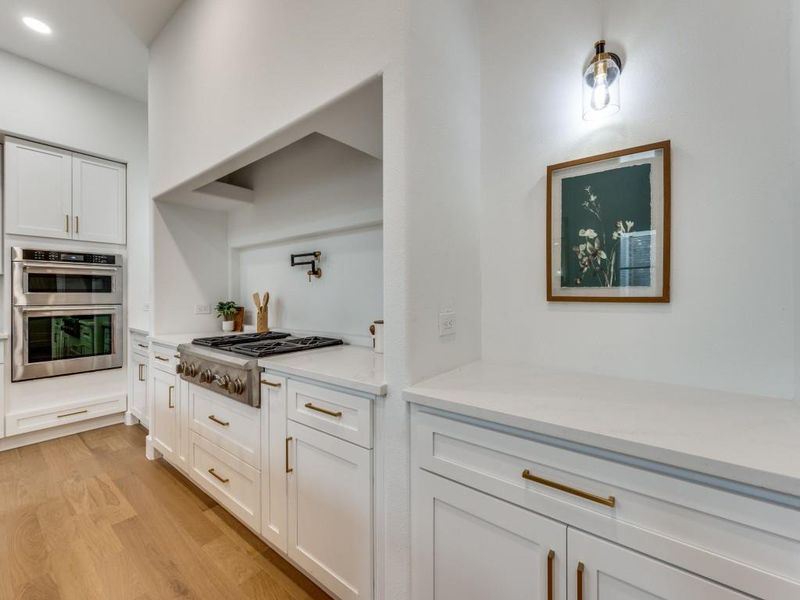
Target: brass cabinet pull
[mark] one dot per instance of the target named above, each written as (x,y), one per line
(77,412)
(580,580)
(550,556)
(169,394)
(214,473)
(145,346)
(325,411)
(288,439)
(269,383)
(141,371)
(77,226)
(66,223)
(606,501)
(161,358)
(217,421)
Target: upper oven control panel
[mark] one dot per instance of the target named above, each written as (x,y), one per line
(68,257)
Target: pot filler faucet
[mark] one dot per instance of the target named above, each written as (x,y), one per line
(313,262)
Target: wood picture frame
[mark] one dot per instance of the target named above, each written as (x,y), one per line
(608,226)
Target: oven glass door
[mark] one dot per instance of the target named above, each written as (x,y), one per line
(50,341)
(35,284)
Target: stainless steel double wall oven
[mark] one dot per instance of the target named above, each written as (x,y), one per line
(67,313)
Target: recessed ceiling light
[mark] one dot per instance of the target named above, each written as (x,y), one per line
(37,25)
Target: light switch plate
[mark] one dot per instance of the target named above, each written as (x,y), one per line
(202,309)
(447,323)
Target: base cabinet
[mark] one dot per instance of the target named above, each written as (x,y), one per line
(330,510)
(274,466)
(606,571)
(471,546)
(164,426)
(138,388)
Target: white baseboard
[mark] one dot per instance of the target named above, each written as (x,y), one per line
(52,433)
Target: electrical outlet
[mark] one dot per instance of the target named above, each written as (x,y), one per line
(146,307)
(447,323)
(202,309)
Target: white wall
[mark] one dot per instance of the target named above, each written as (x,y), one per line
(344,302)
(39,103)
(248,68)
(731,320)
(316,194)
(794,36)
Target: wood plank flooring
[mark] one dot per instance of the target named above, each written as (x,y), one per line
(87,517)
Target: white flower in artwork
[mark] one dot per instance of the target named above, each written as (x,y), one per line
(588,233)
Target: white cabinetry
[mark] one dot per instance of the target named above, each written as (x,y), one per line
(50,192)
(330,510)
(646,535)
(98,200)
(38,190)
(470,546)
(164,425)
(605,571)
(274,465)
(138,405)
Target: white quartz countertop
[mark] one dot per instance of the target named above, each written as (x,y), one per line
(173,340)
(744,438)
(352,367)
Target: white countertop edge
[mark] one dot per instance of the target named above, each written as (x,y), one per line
(138,331)
(771,482)
(350,384)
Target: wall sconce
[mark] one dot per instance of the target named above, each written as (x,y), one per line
(601,84)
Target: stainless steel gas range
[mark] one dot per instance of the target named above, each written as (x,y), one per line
(229,364)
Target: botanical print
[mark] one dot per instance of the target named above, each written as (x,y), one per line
(606,222)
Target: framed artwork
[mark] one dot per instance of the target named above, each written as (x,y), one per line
(608,222)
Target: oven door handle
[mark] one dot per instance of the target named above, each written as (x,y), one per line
(78,309)
(62,267)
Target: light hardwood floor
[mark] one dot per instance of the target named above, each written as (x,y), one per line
(88,517)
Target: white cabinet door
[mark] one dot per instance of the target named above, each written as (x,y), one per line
(164,428)
(601,570)
(138,388)
(38,189)
(330,510)
(98,200)
(470,546)
(274,493)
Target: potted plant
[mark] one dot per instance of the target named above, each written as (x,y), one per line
(226,311)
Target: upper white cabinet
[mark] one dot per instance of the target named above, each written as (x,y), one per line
(98,200)
(54,193)
(38,190)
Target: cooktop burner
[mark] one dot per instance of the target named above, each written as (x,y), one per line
(282,346)
(226,342)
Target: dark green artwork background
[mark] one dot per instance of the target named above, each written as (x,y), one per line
(623,194)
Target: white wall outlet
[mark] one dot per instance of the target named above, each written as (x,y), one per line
(202,309)
(146,307)
(447,322)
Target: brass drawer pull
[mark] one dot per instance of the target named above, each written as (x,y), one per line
(324,411)
(170,403)
(77,412)
(214,473)
(288,470)
(145,346)
(550,556)
(66,223)
(141,372)
(177,355)
(580,580)
(161,358)
(77,225)
(269,383)
(217,421)
(606,501)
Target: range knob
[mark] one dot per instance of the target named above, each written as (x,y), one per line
(190,370)
(206,376)
(236,386)
(222,381)
(179,368)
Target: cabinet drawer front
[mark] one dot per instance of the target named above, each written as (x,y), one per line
(23,422)
(163,358)
(140,344)
(231,482)
(342,415)
(746,543)
(233,426)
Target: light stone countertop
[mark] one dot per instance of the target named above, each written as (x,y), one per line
(744,438)
(353,367)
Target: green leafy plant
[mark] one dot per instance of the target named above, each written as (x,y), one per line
(226,310)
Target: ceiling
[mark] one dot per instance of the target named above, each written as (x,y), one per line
(102,41)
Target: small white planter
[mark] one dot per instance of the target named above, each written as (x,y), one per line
(227,326)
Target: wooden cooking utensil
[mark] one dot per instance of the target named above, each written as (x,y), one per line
(262,313)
